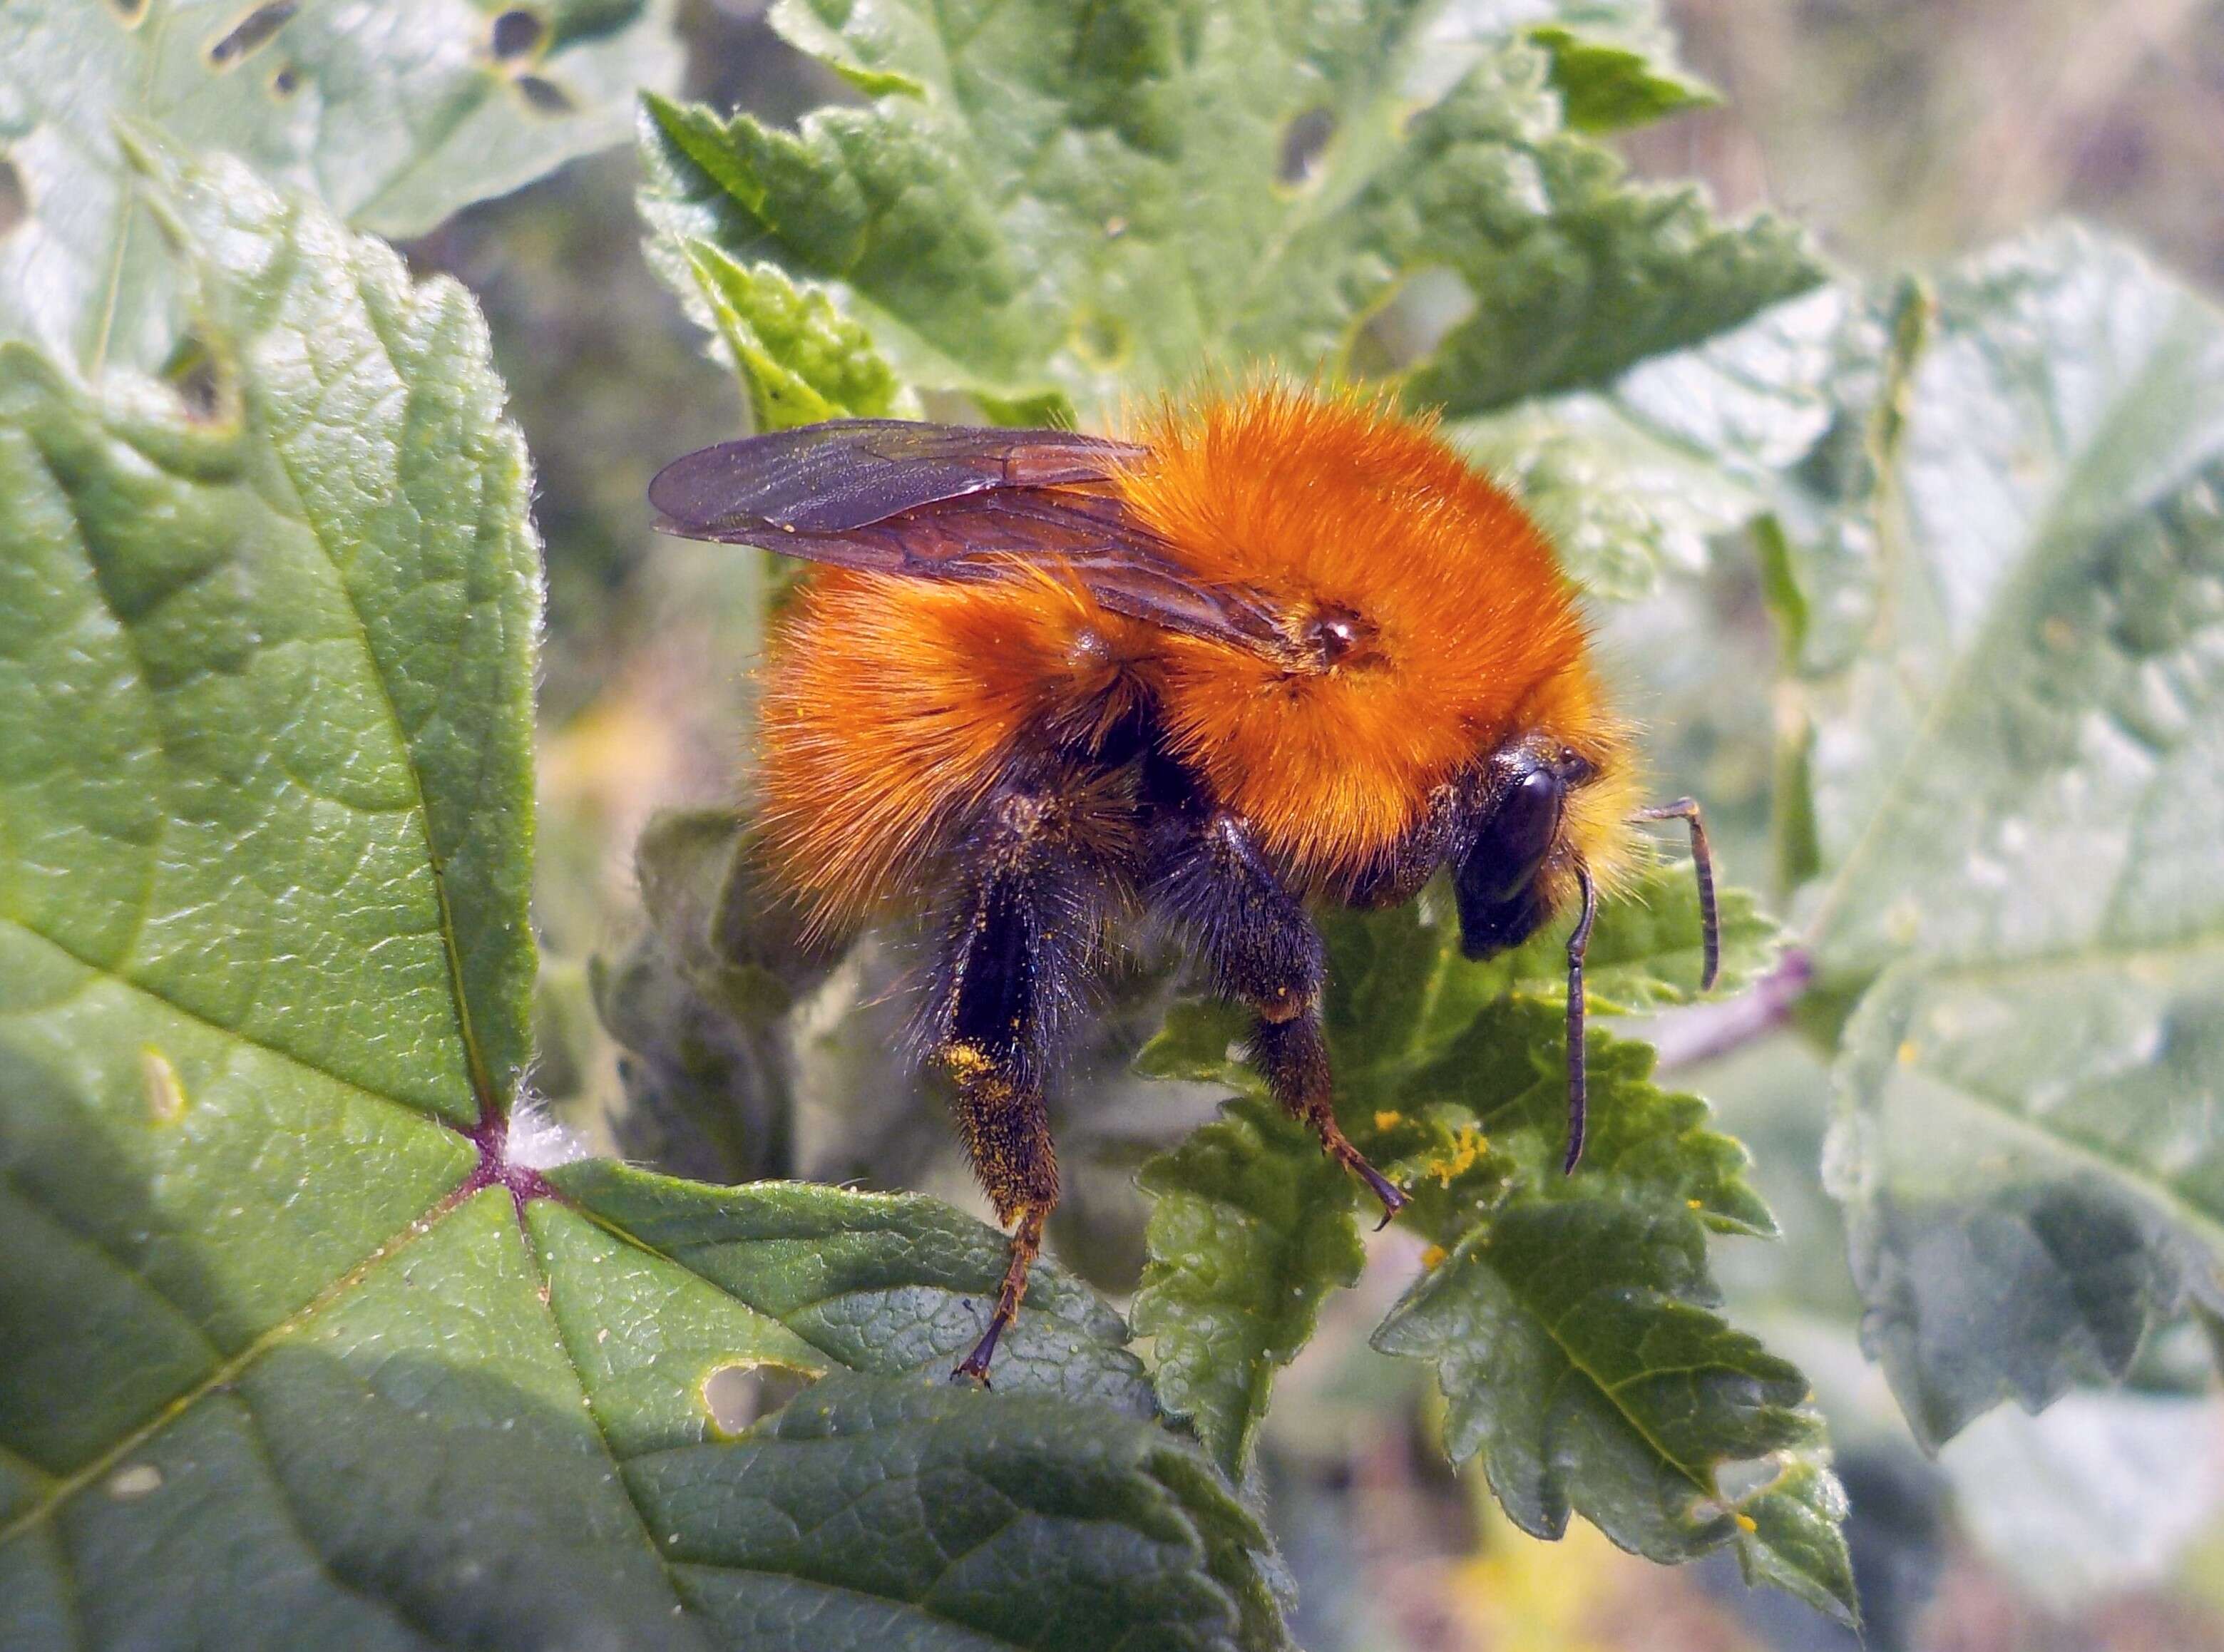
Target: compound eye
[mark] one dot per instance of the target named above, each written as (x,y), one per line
(1495,882)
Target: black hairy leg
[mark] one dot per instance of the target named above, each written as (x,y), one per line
(1206,874)
(1010,963)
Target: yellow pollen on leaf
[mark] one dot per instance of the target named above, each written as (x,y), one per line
(1468,1149)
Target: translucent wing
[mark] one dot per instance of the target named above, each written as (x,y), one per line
(854,472)
(940,501)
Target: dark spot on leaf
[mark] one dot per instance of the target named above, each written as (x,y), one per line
(738,1394)
(286,82)
(516,33)
(545,96)
(14,199)
(1304,140)
(252,30)
(193,373)
(1099,338)
(129,12)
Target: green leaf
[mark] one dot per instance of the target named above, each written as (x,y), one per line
(296,1346)
(1083,203)
(898,1284)
(1251,1227)
(801,360)
(396,119)
(1456,1087)
(2030,1178)
(1507,1070)
(950,1519)
(1634,480)
(1794,1542)
(1579,1358)
(2016,785)
(1646,951)
(1614,62)
(348,532)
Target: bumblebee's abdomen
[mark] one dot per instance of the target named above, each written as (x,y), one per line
(893,707)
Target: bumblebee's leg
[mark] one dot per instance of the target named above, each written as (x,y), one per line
(1009,963)
(1207,874)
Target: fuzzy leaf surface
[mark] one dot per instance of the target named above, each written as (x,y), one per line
(2015,784)
(1080,203)
(292,1352)
(397,115)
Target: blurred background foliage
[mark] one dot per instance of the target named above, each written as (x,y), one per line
(1899,132)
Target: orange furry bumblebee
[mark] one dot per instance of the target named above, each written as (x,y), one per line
(1273,648)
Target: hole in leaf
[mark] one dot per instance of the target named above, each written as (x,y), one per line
(516,33)
(543,96)
(14,198)
(252,30)
(1736,1480)
(139,1481)
(1305,140)
(286,82)
(738,1394)
(1407,327)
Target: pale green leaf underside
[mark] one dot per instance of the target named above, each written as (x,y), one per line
(274,1368)
(1086,202)
(1637,480)
(2083,1091)
(396,114)
(2018,788)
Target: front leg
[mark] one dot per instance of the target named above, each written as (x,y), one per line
(1206,873)
(1014,947)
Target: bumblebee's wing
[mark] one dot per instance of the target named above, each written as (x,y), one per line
(934,501)
(853,472)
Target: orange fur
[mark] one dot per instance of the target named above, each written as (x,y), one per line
(891,704)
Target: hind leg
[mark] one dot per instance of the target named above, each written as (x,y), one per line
(1012,959)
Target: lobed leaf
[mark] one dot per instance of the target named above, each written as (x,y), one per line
(1614,62)
(1455,1087)
(1251,1227)
(293,1347)
(2004,582)
(800,361)
(1078,203)
(1578,1358)
(398,114)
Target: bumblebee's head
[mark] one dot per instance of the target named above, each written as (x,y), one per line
(1511,863)
(1542,822)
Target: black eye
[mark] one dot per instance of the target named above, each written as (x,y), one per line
(1495,882)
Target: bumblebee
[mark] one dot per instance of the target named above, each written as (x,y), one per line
(1276,648)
